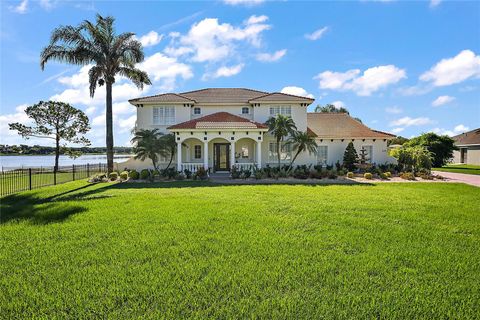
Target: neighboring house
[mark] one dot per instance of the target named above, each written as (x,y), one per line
(469,147)
(222,127)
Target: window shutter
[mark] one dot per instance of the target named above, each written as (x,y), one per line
(156,115)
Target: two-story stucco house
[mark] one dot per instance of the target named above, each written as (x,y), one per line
(222,127)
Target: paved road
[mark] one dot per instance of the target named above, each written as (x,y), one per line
(470,179)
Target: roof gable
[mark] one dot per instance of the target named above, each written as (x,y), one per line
(470,137)
(219,120)
(221,95)
(341,126)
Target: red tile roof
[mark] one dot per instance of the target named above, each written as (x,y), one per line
(219,120)
(341,126)
(222,95)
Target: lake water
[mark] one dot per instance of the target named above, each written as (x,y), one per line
(11,162)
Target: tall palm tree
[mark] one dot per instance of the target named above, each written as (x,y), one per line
(148,144)
(301,141)
(111,55)
(280,127)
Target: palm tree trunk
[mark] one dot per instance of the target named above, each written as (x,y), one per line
(109,135)
(171,159)
(154,165)
(293,160)
(57,152)
(278,153)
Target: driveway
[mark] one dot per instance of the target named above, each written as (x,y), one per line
(470,179)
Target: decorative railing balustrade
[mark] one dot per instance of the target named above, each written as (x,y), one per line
(191,166)
(245,165)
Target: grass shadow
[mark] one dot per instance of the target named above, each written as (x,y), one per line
(29,206)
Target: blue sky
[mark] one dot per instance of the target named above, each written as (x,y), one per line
(402,67)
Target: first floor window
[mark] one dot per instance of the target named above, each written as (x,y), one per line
(197,110)
(244,152)
(163,115)
(285,152)
(368,153)
(245,110)
(322,155)
(283,110)
(198,152)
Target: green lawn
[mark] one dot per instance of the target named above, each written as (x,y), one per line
(394,251)
(460,168)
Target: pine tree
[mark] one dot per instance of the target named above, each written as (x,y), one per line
(350,157)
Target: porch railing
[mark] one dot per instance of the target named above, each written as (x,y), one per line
(192,167)
(245,165)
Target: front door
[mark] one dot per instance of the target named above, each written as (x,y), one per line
(221,157)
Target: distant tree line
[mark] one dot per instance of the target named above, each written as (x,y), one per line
(46,150)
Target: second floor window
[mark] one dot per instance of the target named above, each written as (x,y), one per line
(198,152)
(283,110)
(245,110)
(197,110)
(163,115)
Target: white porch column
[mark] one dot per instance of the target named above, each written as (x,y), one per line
(179,156)
(205,155)
(259,154)
(232,154)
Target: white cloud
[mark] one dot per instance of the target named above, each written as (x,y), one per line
(339,104)
(393,110)
(461,128)
(397,130)
(434,3)
(243,2)
(271,57)
(47,4)
(165,71)
(210,41)
(454,70)
(224,72)
(372,79)
(317,34)
(457,130)
(441,100)
(90,110)
(256,19)
(407,122)
(127,124)
(297,91)
(21,8)
(150,39)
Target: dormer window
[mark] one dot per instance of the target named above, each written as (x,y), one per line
(197,110)
(245,110)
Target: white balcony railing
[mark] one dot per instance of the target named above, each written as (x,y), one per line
(191,166)
(245,165)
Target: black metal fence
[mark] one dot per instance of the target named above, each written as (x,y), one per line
(16,180)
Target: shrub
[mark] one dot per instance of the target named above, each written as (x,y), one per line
(124,175)
(368,176)
(332,174)
(112,176)
(245,174)
(259,174)
(383,176)
(144,174)
(155,173)
(350,175)
(169,173)
(134,175)
(338,166)
(407,176)
(188,174)
(201,174)
(425,176)
(388,174)
(315,174)
(180,176)
(350,157)
(235,173)
(102,177)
